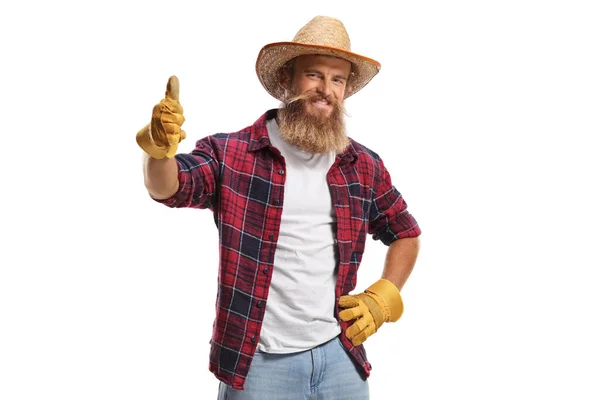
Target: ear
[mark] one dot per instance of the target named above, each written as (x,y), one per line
(350,82)
(284,80)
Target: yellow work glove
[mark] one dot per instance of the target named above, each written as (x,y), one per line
(380,303)
(162,135)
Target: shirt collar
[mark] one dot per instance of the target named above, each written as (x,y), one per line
(259,136)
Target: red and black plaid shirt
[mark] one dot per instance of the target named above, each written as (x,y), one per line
(240,177)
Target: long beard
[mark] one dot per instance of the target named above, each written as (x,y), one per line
(313,133)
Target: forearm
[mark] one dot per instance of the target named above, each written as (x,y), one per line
(160,177)
(400,260)
(380,302)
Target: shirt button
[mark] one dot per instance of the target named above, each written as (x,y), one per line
(260,304)
(253,339)
(266,271)
(276,202)
(281,172)
(272,236)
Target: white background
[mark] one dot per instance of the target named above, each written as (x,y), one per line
(485,112)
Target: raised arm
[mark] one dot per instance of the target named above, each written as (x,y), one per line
(159,140)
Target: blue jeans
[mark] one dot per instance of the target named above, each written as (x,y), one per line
(326,372)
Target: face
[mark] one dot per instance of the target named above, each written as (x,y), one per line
(323,75)
(312,113)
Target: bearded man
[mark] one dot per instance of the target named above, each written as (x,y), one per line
(293,199)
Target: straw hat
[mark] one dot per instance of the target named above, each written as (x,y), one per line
(321,36)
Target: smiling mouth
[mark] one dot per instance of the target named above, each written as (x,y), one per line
(321,103)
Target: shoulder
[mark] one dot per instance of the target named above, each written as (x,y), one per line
(364,154)
(368,164)
(222,142)
(222,138)
(250,137)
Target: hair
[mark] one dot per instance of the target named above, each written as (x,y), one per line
(313,133)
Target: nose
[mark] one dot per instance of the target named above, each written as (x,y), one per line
(325,88)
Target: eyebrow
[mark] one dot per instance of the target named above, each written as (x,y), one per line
(316,71)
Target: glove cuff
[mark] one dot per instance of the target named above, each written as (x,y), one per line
(389,295)
(145,141)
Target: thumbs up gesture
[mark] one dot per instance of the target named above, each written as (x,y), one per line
(162,135)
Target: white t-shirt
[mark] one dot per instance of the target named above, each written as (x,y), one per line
(299,313)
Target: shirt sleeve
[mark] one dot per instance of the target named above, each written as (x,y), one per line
(389,218)
(198,176)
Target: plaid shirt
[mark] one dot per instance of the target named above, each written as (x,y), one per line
(240,177)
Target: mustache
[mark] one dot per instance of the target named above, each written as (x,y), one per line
(312,96)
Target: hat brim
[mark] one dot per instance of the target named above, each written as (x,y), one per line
(273,56)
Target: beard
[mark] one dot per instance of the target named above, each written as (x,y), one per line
(314,133)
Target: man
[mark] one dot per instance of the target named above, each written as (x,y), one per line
(293,199)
